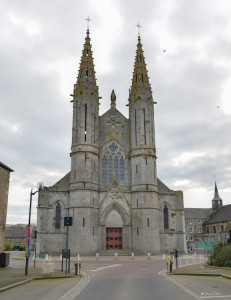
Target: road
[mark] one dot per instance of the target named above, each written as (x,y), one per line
(124,280)
(144,280)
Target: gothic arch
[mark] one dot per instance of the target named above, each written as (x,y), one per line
(117,207)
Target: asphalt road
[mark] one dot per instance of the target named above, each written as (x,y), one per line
(144,280)
(124,280)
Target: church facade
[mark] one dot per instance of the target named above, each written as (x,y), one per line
(112,191)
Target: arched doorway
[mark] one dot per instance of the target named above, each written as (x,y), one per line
(114,231)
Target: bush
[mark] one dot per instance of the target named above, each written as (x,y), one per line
(21,248)
(8,247)
(221,257)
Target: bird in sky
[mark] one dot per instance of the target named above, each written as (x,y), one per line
(164,51)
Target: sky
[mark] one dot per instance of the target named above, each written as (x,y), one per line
(41,44)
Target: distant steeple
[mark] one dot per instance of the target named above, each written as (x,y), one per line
(140,88)
(217,201)
(86,80)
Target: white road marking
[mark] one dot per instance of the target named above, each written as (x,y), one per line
(102,268)
(77,289)
(183,287)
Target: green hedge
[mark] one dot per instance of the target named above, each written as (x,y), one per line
(221,257)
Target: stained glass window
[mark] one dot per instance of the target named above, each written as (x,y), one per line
(112,163)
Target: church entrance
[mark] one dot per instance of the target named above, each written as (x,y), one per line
(114,238)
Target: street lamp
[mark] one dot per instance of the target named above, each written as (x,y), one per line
(40,187)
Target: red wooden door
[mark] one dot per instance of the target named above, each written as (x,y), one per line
(114,238)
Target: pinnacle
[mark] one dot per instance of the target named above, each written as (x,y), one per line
(140,80)
(86,80)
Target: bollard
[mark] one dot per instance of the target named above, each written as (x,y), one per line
(148,256)
(97,256)
(133,256)
(116,256)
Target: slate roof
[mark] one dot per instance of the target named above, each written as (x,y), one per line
(5,167)
(197,213)
(222,214)
(16,233)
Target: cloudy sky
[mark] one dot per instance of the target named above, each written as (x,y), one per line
(40,47)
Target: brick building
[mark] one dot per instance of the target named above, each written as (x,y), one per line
(4,188)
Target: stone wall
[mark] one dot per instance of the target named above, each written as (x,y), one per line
(4,188)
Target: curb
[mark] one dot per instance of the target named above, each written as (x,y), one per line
(11,286)
(203,274)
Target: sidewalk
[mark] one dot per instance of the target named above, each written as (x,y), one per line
(14,274)
(202,270)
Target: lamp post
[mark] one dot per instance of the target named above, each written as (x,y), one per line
(40,187)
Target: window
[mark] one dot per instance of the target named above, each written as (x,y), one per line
(137,231)
(190,221)
(135,129)
(112,163)
(165,217)
(207,229)
(191,238)
(199,229)
(214,229)
(137,202)
(136,169)
(85,132)
(148,222)
(93,231)
(199,221)
(222,227)
(144,126)
(58,216)
(83,222)
(191,229)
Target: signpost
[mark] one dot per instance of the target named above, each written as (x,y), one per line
(66,253)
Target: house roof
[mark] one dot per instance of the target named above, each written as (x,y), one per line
(5,167)
(222,214)
(16,233)
(197,213)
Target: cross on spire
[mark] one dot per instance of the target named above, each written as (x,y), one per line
(88,21)
(138,26)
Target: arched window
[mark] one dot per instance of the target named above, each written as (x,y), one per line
(112,163)
(165,217)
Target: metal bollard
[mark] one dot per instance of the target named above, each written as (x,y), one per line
(116,256)
(133,256)
(148,256)
(97,256)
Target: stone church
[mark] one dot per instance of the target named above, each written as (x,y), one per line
(112,191)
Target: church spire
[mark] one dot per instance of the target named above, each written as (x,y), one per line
(217,201)
(140,88)
(86,81)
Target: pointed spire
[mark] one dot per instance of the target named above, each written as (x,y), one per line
(216,195)
(86,81)
(217,201)
(140,88)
